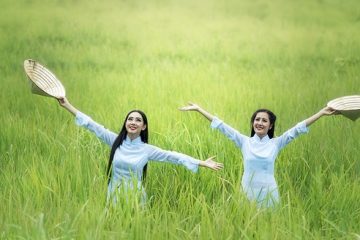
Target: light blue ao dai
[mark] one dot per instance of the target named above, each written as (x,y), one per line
(258,181)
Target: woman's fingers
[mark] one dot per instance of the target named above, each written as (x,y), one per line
(61,100)
(190,107)
(219,166)
(183,108)
(186,108)
(214,165)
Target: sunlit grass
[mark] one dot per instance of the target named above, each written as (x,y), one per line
(231,57)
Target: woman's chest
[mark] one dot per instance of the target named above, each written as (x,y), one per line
(260,151)
(130,158)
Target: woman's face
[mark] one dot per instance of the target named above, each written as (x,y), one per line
(134,125)
(261,124)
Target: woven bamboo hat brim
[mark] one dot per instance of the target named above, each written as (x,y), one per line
(42,81)
(349,106)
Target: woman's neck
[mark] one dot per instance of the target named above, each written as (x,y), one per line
(133,136)
(261,136)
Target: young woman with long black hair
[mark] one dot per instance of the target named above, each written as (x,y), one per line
(260,149)
(130,152)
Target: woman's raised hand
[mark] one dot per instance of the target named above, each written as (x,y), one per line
(329,111)
(326,111)
(190,107)
(63,101)
(210,163)
(194,107)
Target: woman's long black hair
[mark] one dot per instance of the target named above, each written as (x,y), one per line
(122,136)
(272,119)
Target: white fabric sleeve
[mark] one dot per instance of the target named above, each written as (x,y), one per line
(102,133)
(157,154)
(228,131)
(291,134)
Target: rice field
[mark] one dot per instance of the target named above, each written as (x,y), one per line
(231,57)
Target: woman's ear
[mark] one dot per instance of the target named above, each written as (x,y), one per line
(270,126)
(144,127)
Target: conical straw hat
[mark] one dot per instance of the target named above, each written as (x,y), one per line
(349,106)
(42,81)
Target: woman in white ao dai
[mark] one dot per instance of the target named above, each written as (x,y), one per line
(260,150)
(130,152)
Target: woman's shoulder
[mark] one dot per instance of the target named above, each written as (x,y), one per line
(149,146)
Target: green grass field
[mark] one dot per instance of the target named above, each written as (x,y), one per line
(231,57)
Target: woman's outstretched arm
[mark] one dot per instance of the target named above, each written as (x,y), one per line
(326,111)
(67,105)
(302,127)
(160,155)
(216,123)
(85,121)
(197,108)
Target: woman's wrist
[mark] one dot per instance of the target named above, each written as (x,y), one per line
(202,163)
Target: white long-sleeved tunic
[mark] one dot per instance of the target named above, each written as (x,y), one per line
(131,157)
(258,181)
